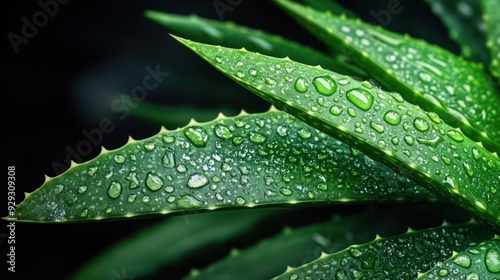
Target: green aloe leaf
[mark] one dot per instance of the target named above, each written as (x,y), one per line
(381,124)
(301,245)
(459,91)
(165,244)
(397,257)
(238,162)
(464,22)
(491,15)
(330,5)
(233,35)
(478,262)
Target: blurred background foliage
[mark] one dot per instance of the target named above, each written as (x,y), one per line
(65,79)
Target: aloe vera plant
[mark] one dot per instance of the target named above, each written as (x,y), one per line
(382,119)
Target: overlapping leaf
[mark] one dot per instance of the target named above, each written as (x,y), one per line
(491,12)
(399,257)
(459,91)
(232,35)
(381,124)
(464,22)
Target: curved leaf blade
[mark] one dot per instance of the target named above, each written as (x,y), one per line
(165,243)
(459,91)
(237,36)
(398,257)
(464,22)
(478,262)
(330,5)
(382,125)
(491,16)
(239,162)
(301,245)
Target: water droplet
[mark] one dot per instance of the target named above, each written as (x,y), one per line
(109,174)
(476,154)
(223,132)
(355,252)
(325,85)
(252,72)
(134,182)
(171,198)
(270,81)
(153,181)
(392,117)
(84,213)
(114,189)
(150,146)
(187,202)
(146,199)
(197,181)
(450,182)
(82,189)
(446,160)
(352,112)
(432,142)
(131,198)
(336,110)
(218,59)
(395,140)
(304,133)
(322,187)
(240,200)
(119,159)
(409,140)
(492,260)
(301,85)
(340,275)
(443,272)
(377,127)
(286,191)
(472,276)
(367,84)
(196,135)
(92,170)
(257,138)
(282,130)
(468,169)
(397,97)
(360,98)
(58,188)
(344,81)
(463,261)
(390,58)
(421,124)
(168,139)
(237,140)
(455,135)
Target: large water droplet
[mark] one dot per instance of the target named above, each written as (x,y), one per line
(360,98)
(325,85)
(223,132)
(301,85)
(421,124)
(153,181)
(431,142)
(197,181)
(119,159)
(92,170)
(282,130)
(377,127)
(304,133)
(82,189)
(355,252)
(134,182)
(450,182)
(240,200)
(455,135)
(286,191)
(131,198)
(492,260)
(196,135)
(336,110)
(409,140)
(257,138)
(463,261)
(149,146)
(168,159)
(58,188)
(114,189)
(392,117)
(187,202)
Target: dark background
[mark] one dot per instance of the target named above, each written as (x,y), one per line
(64,79)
